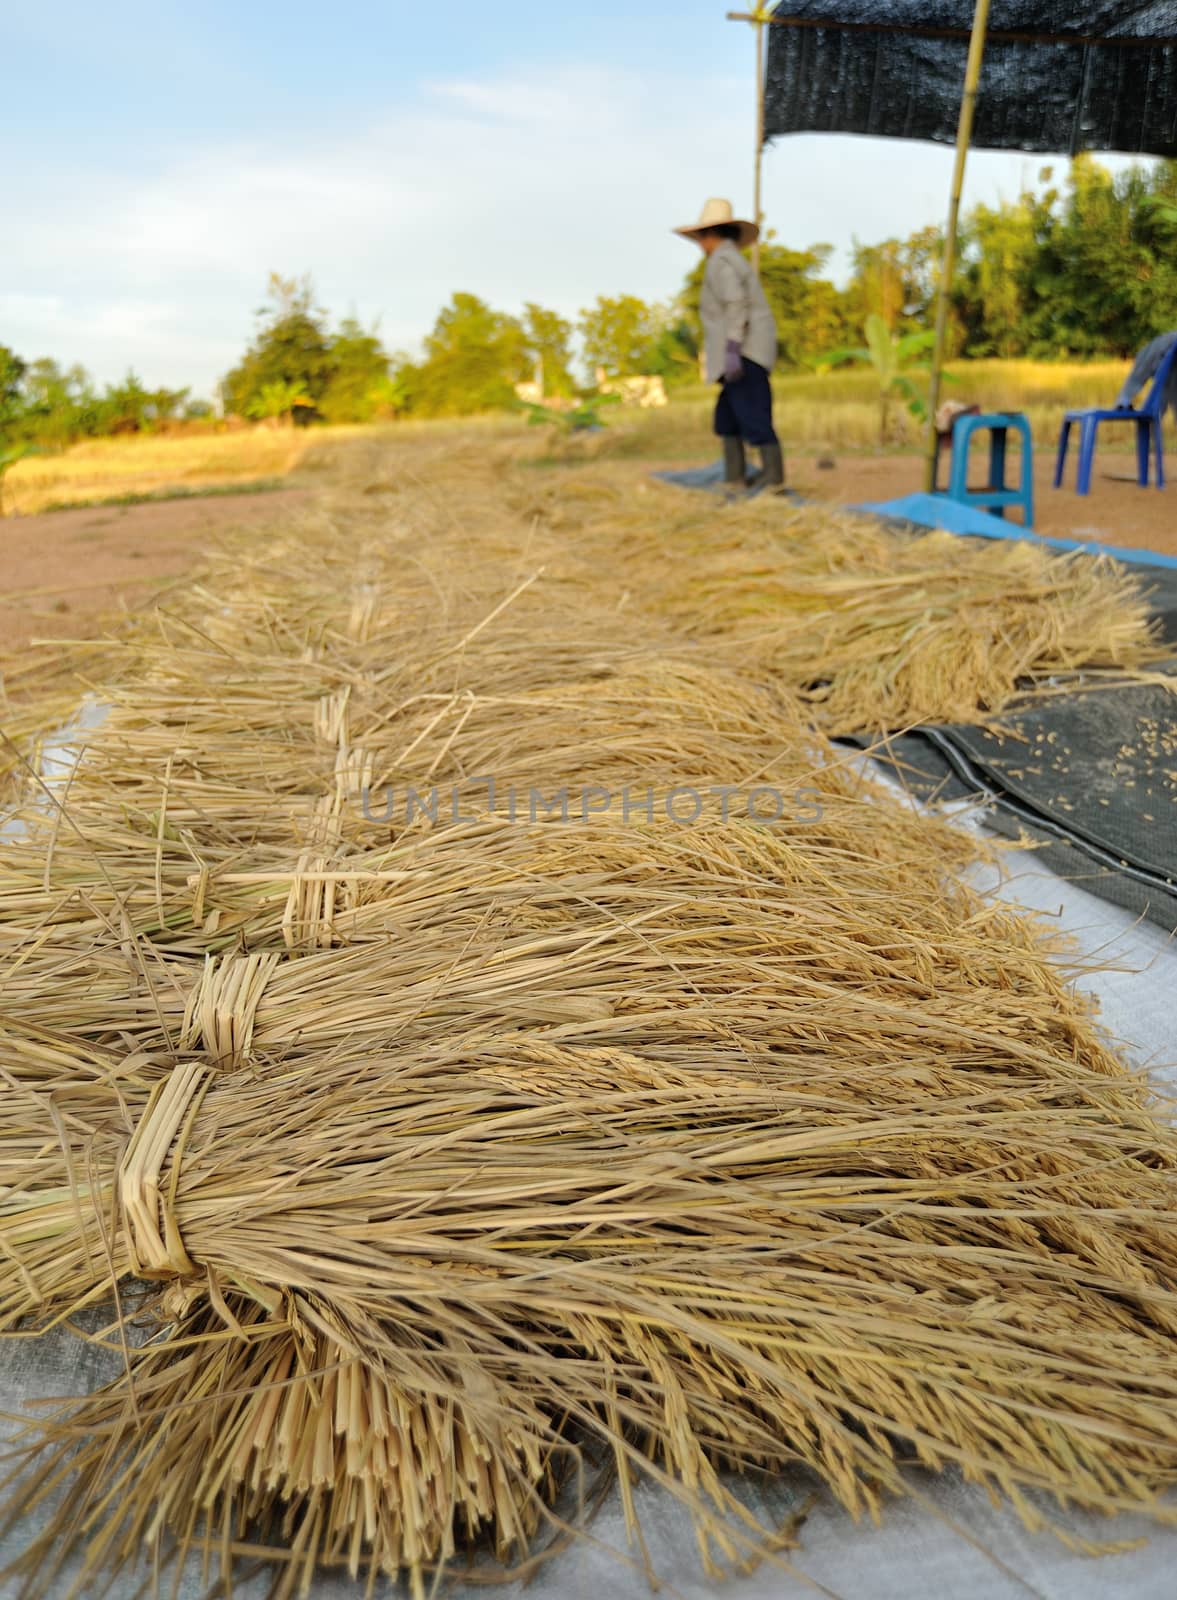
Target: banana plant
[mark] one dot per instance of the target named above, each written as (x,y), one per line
(276,400)
(584,417)
(892,356)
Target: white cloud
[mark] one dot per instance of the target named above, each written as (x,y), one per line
(552,187)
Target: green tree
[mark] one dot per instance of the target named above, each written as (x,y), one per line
(291,346)
(1088,269)
(806,306)
(897,279)
(1163,207)
(130,407)
(878,287)
(618,335)
(12,403)
(1118,255)
(674,353)
(549,347)
(124,407)
(60,406)
(357,390)
(995,286)
(12,446)
(473,359)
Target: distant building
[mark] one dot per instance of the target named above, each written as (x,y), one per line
(643,393)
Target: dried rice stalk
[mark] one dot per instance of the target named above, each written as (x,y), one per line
(873,628)
(456,1153)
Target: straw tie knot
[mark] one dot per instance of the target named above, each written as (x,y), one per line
(222,1009)
(157,1250)
(331,718)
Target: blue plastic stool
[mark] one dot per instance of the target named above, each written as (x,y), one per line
(1148,432)
(996,495)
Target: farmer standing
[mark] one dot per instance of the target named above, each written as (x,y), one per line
(740,345)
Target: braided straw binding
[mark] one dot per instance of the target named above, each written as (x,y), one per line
(158,1251)
(222,1009)
(308,922)
(365,608)
(331,718)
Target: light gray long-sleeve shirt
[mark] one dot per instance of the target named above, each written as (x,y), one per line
(733,306)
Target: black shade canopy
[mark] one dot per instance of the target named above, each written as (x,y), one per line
(1058,77)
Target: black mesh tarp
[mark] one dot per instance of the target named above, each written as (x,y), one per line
(1057,806)
(1090,776)
(859,75)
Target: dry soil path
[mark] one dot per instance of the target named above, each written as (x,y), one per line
(62,571)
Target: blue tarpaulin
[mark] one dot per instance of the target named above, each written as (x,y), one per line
(937,511)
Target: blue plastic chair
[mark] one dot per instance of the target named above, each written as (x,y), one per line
(1148,432)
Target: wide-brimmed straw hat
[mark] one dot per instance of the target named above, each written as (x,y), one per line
(719,214)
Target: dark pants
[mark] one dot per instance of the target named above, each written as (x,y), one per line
(744,410)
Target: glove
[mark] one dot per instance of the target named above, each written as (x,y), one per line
(733,365)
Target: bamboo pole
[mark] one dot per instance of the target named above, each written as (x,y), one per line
(964,135)
(758,181)
(758,19)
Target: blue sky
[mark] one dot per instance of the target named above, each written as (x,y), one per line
(171,155)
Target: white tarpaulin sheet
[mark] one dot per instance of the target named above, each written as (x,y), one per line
(946,1540)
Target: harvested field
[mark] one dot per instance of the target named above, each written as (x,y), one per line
(439,1148)
(103,470)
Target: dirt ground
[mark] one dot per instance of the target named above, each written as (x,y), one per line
(1117,511)
(64,570)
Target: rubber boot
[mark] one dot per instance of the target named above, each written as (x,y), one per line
(771,477)
(735,466)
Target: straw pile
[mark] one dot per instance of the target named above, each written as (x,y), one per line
(873,629)
(432,1165)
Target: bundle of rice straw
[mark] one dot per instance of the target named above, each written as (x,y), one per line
(432,1164)
(874,628)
